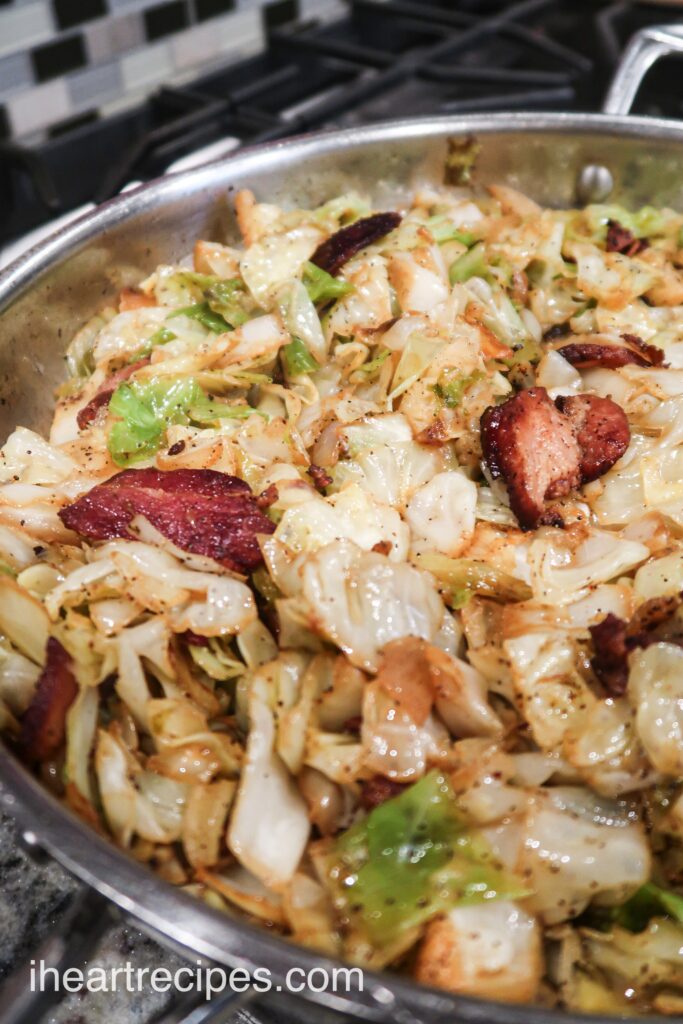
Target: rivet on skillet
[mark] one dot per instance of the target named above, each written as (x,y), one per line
(594,184)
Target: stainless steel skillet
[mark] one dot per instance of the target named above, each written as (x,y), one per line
(558,159)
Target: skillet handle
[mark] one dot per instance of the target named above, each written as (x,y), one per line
(644,49)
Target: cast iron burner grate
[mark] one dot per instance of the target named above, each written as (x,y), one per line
(383,60)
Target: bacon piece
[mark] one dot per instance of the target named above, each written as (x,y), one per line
(531,445)
(88,413)
(378,790)
(653,354)
(193,639)
(43,725)
(587,354)
(613,640)
(544,451)
(352,725)
(339,248)
(268,497)
(434,434)
(199,510)
(620,239)
(610,663)
(601,429)
(320,477)
(382,547)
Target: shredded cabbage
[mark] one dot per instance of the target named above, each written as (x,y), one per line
(436,724)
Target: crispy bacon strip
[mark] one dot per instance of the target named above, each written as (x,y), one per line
(601,429)
(531,445)
(620,239)
(543,451)
(199,510)
(586,354)
(339,248)
(102,397)
(653,354)
(636,352)
(43,724)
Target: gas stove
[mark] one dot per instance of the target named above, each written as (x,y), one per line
(384,59)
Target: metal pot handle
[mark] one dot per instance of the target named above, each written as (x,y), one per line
(595,182)
(644,49)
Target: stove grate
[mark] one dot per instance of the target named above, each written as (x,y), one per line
(381,60)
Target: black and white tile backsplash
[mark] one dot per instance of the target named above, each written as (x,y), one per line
(62,61)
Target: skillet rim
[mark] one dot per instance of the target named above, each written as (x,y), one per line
(170,915)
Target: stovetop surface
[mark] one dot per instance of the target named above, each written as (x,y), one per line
(383,60)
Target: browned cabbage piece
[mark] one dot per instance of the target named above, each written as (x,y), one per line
(339,248)
(543,451)
(130,298)
(44,721)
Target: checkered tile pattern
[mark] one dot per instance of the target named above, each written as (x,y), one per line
(62,61)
